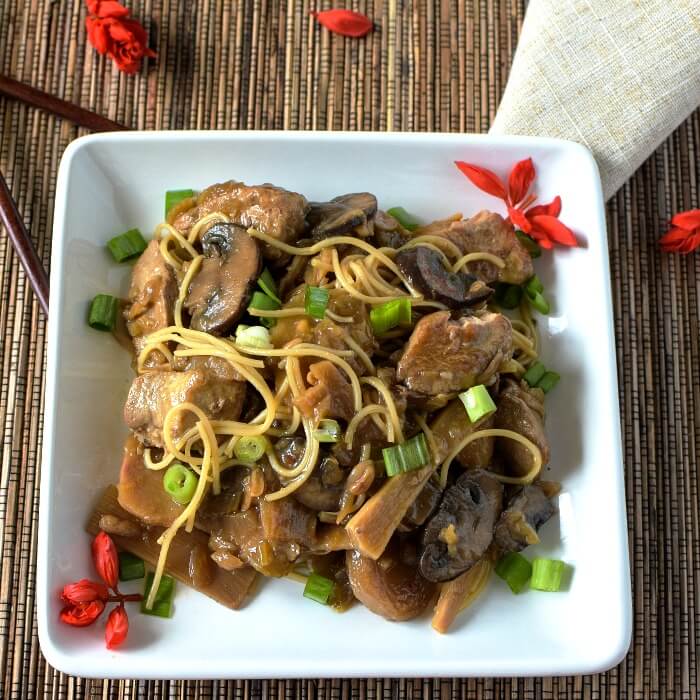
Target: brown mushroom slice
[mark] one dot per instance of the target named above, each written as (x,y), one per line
(342,215)
(388,587)
(459,534)
(426,271)
(220,291)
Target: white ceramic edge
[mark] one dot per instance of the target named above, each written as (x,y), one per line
(607,654)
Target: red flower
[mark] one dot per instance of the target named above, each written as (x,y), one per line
(345,22)
(684,234)
(117,627)
(82,614)
(106,559)
(84,591)
(540,222)
(112,33)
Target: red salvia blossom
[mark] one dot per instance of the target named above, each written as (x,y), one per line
(106,559)
(82,614)
(117,627)
(540,222)
(345,22)
(684,234)
(84,591)
(112,32)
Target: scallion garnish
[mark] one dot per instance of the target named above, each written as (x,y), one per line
(316,301)
(533,290)
(531,246)
(318,588)
(180,483)
(408,221)
(328,431)
(515,570)
(103,312)
(548,381)
(534,373)
(163,603)
(393,313)
(508,296)
(173,197)
(407,456)
(262,302)
(266,282)
(478,402)
(547,574)
(250,448)
(253,336)
(131,567)
(127,245)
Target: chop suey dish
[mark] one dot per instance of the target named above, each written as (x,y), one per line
(333,393)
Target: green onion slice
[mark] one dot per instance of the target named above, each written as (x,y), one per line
(127,245)
(251,448)
(531,246)
(539,302)
(131,567)
(547,574)
(173,197)
(390,314)
(515,570)
(548,381)
(316,301)
(478,402)
(103,312)
(328,431)
(508,296)
(253,336)
(409,455)
(267,283)
(163,603)
(180,483)
(262,302)
(408,221)
(534,373)
(534,285)
(318,588)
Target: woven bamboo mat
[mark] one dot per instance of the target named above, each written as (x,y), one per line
(431,66)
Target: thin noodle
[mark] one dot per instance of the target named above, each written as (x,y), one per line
(385,393)
(474,257)
(359,417)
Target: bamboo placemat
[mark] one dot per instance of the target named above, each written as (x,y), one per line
(431,66)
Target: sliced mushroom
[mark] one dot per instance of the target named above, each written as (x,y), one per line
(424,506)
(462,530)
(426,271)
(221,289)
(341,215)
(316,496)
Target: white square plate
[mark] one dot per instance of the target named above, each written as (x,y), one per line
(112,182)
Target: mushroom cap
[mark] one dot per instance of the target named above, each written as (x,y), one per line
(341,215)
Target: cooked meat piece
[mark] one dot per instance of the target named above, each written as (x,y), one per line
(388,587)
(287,522)
(315,495)
(330,393)
(153,394)
(151,299)
(217,367)
(114,525)
(439,227)
(424,505)
(388,233)
(272,210)
(444,356)
(521,409)
(341,216)
(487,232)
(141,491)
(527,511)
(221,289)
(459,534)
(426,271)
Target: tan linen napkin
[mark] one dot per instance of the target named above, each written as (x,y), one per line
(617,76)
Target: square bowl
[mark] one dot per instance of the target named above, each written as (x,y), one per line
(108,183)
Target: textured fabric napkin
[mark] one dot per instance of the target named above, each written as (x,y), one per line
(617,76)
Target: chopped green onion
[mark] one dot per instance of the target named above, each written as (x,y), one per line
(548,381)
(131,567)
(266,282)
(547,574)
(393,313)
(515,570)
(262,302)
(316,301)
(127,245)
(163,603)
(180,483)
(173,197)
(531,246)
(103,312)
(478,402)
(407,456)
(533,290)
(534,285)
(540,303)
(408,221)
(508,296)
(328,431)
(534,373)
(318,588)
(253,336)
(250,449)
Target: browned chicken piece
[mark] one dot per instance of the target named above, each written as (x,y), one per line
(272,210)
(330,393)
(153,394)
(444,355)
(287,522)
(437,228)
(151,299)
(141,491)
(487,232)
(521,409)
(217,367)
